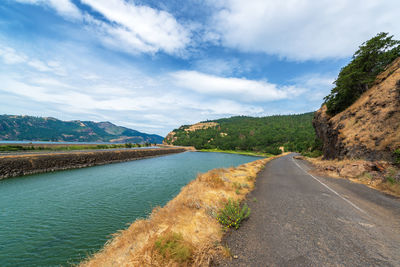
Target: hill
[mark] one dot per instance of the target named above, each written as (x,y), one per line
(370,127)
(263,134)
(19,128)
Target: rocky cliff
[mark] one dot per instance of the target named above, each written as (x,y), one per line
(370,128)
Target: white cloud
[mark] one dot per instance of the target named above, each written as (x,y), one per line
(317,85)
(138,28)
(10,56)
(303,29)
(128,27)
(63,7)
(13,57)
(237,88)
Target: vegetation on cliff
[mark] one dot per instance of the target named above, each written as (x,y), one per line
(263,134)
(357,77)
(30,128)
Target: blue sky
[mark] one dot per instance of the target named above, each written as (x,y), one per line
(155,65)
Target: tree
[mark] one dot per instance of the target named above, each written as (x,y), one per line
(367,62)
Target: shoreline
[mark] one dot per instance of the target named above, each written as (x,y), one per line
(189,219)
(240,152)
(27,164)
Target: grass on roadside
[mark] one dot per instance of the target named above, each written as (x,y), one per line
(172,246)
(241,152)
(186,231)
(232,214)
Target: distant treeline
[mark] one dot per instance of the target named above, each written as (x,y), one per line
(265,134)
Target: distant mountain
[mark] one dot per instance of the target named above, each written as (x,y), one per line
(264,134)
(19,128)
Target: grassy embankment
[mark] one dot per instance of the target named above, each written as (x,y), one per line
(383,176)
(63,147)
(186,231)
(241,152)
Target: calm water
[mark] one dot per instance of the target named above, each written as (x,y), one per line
(58,218)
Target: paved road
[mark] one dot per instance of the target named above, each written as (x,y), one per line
(304,220)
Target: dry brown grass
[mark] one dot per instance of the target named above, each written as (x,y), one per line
(191,215)
(373,121)
(359,171)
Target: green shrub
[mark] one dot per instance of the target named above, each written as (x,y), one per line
(232,214)
(173,246)
(397,156)
(354,79)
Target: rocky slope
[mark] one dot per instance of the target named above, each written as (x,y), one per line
(370,128)
(16,128)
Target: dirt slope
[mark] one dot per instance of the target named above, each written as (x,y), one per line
(370,128)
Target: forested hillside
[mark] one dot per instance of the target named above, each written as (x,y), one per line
(30,128)
(264,134)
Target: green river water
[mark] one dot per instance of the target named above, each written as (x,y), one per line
(59,218)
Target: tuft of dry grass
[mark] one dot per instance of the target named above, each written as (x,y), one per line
(189,220)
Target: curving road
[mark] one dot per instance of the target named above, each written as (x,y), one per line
(304,220)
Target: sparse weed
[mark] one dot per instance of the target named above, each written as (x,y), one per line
(390,177)
(232,214)
(397,156)
(226,251)
(172,246)
(254,199)
(368,175)
(237,185)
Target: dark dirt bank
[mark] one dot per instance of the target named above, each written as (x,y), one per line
(18,165)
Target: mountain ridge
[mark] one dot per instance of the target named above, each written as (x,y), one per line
(31,128)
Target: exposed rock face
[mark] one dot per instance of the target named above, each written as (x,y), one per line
(200,126)
(171,138)
(370,128)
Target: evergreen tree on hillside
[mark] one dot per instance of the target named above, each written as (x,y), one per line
(354,79)
(265,134)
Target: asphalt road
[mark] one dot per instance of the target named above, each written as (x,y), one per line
(303,220)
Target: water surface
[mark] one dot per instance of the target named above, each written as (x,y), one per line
(58,218)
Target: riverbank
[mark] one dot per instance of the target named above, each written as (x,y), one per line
(27,147)
(18,165)
(240,152)
(187,223)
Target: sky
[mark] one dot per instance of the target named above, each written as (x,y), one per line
(155,65)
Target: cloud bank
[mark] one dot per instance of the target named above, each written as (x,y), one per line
(303,29)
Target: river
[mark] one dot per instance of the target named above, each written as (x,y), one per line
(59,218)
